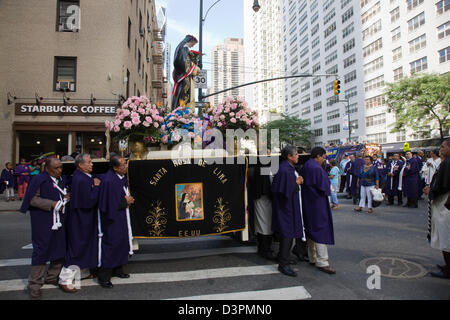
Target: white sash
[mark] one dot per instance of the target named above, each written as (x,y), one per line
(130,234)
(400,179)
(393,163)
(301,209)
(100,236)
(61,203)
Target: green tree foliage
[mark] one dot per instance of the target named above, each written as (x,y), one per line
(419,101)
(292,130)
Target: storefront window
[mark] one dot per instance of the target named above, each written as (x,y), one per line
(33,145)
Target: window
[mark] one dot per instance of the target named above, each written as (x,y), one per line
(417,43)
(398,74)
(318,119)
(65,75)
(347,15)
(317,106)
(377,138)
(332,100)
(444,55)
(316,54)
(373,29)
(331,43)
(68,16)
(395,14)
(354,125)
(318,133)
(396,54)
(442,6)
(413,3)
(349,45)
(375,102)
(416,22)
(306,110)
(374,83)
(350,76)
(306,98)
(317,93)
(330,58)
(334,129)
(396,34)
(329,16)
(329,30)
(419,65)
(443,30)
(373,47)
(333,114)
(348,30)
(316,67)
(373,11)
(314,29)
(352,92)
(349,61)
(374,65)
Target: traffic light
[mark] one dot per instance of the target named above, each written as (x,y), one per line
(337,87)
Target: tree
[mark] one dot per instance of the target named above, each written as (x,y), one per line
(418,101)
(292,130)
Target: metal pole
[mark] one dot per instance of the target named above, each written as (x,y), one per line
(200,45)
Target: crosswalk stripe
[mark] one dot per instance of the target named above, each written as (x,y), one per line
(141,278)
(15,262)
(291,293)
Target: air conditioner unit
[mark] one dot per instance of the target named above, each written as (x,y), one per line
(142,32)
(65,85)
(149,29)
(148,59)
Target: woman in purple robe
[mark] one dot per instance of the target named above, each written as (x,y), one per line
(411,180)
(82,221)
(317,212)
(114,243)
(8,182)
(45,193)
(286,207)
(355,170)
(23,178)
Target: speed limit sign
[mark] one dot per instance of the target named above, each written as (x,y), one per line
(201,81)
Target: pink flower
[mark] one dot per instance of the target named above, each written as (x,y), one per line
(148,119)
(135,121)
(116,129)
(165,139)
(155,124)
(141,110)
(117,122)
(231,114)
(107,126)
(234,106)
(146,124)
(233,120)
(126,113)
(191,135)
(169,125)
(127,124)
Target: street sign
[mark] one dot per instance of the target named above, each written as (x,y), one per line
(201,81)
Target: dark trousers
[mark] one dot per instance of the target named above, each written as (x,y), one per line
(301,247)
(412,202)
(447,263)
(105,274)
(39,272)
(284,251)
(342,186)
(391,199)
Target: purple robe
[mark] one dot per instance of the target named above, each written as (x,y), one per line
(20,169)
(349,179)
(286,210)
(391,188)
(7,175)
(115,242)
(411,179)
(81,222)
(355,171)
(48,244)
(316,207)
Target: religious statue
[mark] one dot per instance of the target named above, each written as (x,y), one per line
(185,69)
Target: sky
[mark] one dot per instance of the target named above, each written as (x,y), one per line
(224,20)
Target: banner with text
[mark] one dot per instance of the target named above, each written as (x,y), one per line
(187,197)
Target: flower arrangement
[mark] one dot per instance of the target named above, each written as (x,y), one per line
(194,56)
(178,123)
(137,120)
(233,113)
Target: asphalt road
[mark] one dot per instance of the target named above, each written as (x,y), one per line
(219,267)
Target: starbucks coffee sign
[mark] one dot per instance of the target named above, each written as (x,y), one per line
(65,110)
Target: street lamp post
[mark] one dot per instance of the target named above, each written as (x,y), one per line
(202,19)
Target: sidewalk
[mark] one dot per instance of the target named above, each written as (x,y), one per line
(9,206)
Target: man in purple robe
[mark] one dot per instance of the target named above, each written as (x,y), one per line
(23,178)
(411,180)
(350,178)
(115,241)
(81,223)
(287,218)
(7,182)
(317,212)
(46,198)
(355,171)
(393,175)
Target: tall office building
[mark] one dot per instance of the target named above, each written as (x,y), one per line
(227,69)
(264,58)
(368,43)
(65,67)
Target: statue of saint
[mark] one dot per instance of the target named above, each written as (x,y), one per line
(185,69)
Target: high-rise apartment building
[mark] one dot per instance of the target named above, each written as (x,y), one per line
(321,37)
(64,68)
(227,69)
(368,43)
(263,45)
